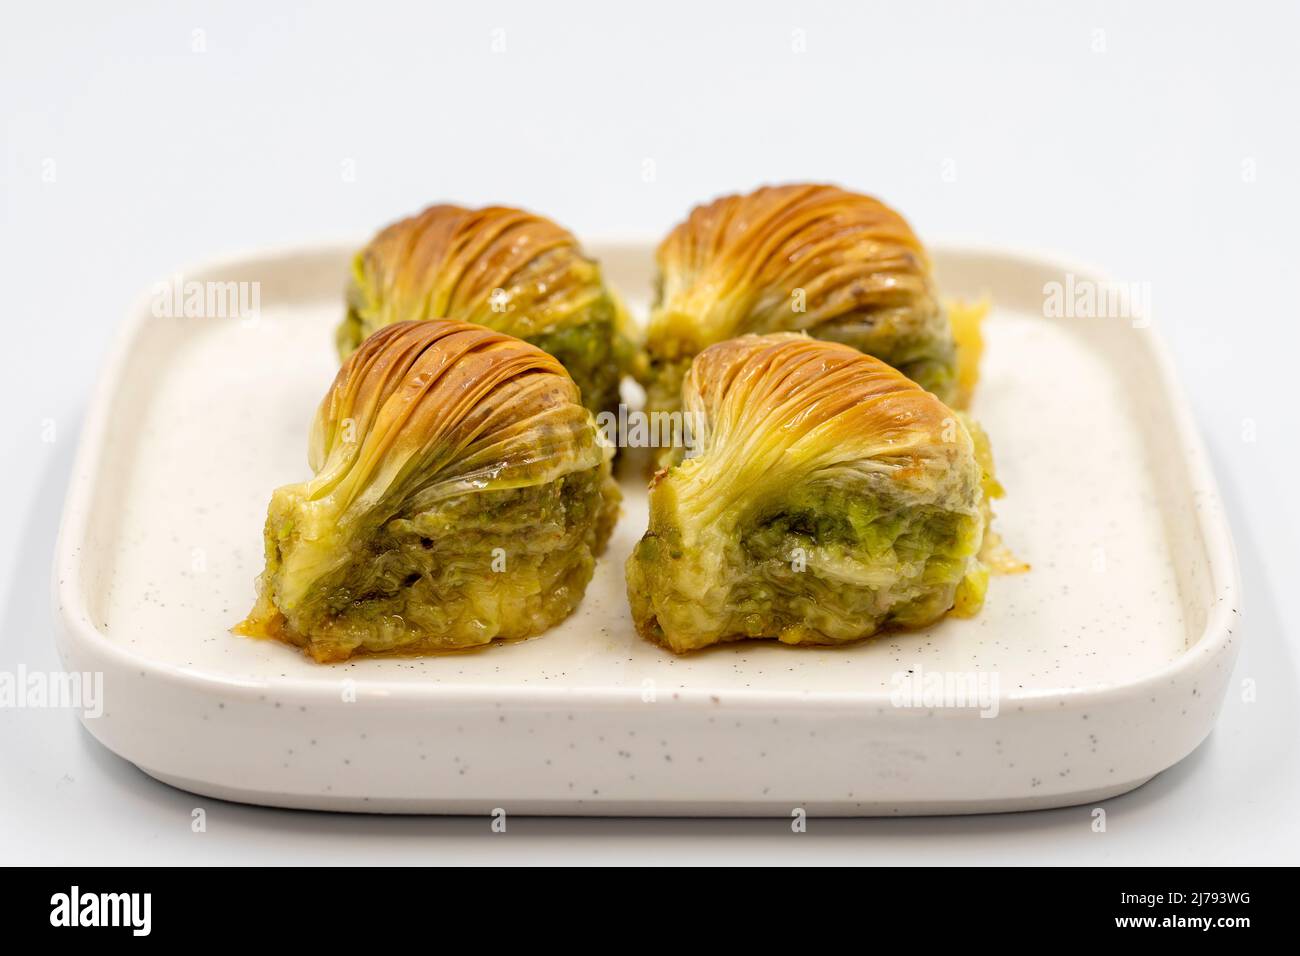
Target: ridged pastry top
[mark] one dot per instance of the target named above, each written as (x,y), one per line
(426,410)
(504,268)
(774,410)
(741,263)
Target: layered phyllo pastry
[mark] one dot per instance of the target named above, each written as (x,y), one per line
(835,264)
(461,495)
(503,268)
(831,497)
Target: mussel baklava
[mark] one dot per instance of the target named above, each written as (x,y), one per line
(504,268)
(831,497)
(818,259)
(461,495)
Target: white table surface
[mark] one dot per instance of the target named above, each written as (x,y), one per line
(1159,143)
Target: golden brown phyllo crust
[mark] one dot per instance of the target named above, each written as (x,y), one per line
(461,494)
(831,497)
(836,264)
(499,267)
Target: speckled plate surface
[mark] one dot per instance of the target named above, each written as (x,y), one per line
(1101,667)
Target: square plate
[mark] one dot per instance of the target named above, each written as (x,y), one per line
(1101,667)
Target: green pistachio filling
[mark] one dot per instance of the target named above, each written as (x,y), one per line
(824,564)
(503,563)
(590,352)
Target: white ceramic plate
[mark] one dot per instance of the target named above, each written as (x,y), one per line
(1106,664)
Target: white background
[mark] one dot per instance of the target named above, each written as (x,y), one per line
(1159,142)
